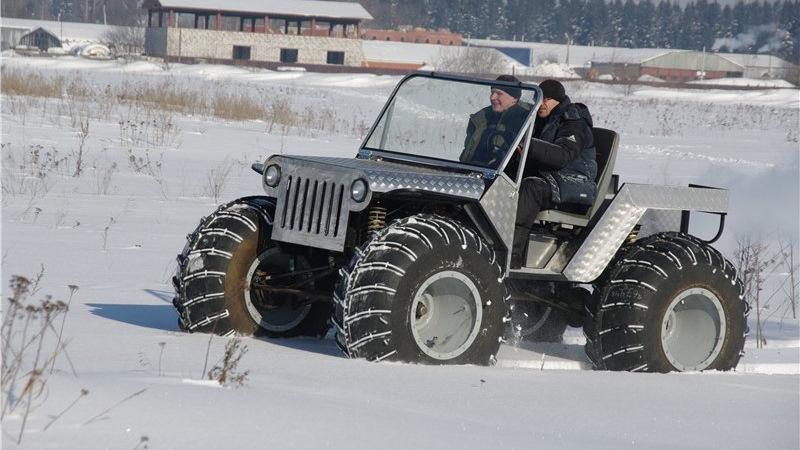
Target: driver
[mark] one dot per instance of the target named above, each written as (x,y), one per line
(561,166)
(492,129)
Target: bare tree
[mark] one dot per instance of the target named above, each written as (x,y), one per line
(470,60)
(126,40)
(753,261)
(791,286)
(759,262)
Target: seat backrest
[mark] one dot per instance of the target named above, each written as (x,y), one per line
(605,142)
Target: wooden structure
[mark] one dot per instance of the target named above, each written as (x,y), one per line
(41,39)
(297,17)
(264,33)
(414,35)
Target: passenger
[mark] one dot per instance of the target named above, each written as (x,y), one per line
(492,129)
(561,165)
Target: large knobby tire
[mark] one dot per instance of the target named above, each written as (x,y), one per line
(426,290)
(670,303)
(214,283)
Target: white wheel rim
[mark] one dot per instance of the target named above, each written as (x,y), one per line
(693,329)
(446,315)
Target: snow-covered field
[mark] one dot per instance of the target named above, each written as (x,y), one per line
(105,241)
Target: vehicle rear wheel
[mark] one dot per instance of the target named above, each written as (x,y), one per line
(671,303)
(423,290)
(232,278)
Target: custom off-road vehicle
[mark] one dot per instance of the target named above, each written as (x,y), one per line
(404,250)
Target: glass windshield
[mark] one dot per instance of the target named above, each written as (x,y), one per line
(455,120)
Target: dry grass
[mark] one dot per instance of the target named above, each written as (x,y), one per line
(152,105)
(28,347)
(16,82)
(29,172)
(217,177)
(237,107)
(226,371)
(164,95)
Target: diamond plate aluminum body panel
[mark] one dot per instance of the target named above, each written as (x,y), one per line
(655,221)
(388,179)
(313,195)
(624,213)
(500,204)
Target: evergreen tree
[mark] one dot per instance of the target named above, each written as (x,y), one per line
(710,15)
(519,14)
(581,22)
(491,21)
(630,27)
(598,14)
(727,23)
(691,29)
(616,21)
(544,21)
(645,23)
(663,25)
(790,21)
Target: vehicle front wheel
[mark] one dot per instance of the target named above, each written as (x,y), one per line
(425,289)
(232,278)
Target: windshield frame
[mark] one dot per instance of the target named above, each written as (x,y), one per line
(522,137)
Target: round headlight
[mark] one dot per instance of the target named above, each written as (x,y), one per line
(272,175)
(358,190)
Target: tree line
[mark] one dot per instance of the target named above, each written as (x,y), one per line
(111,12)
(746,27)
(768,27)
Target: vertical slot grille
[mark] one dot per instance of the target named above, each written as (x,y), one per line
(312,206)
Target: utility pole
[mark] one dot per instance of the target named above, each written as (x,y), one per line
(569,41)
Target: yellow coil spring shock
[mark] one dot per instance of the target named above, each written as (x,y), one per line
(376,218)
(634,234)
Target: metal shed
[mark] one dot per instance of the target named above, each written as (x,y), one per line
(682,66)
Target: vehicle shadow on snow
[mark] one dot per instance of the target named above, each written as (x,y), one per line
(325,346)
(163,317)
(159,317)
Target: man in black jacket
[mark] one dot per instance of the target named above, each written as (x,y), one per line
(561,165)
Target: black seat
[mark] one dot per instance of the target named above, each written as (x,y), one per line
(606,143)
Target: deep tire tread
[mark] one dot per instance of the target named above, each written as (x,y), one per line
(203,265)
(629,303)
(364,297)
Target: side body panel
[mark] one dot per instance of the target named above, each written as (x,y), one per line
(624,213)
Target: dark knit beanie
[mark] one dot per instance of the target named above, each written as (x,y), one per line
(553,89)
(510,90)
